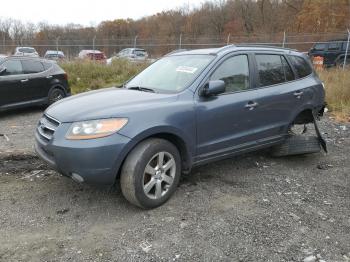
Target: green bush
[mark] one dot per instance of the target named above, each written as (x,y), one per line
(88,75)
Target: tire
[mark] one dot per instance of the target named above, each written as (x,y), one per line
(55,94)
(297,145)
(340,63)
(135,177)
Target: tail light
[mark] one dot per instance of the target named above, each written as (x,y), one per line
(65,76)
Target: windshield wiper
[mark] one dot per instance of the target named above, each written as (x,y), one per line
(139,88)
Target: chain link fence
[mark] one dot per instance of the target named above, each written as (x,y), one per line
(157,47)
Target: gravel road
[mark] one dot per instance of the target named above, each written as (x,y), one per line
(249,208)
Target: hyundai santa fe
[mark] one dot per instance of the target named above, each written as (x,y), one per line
(186,109)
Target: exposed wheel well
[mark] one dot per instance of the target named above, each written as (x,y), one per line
(304,117)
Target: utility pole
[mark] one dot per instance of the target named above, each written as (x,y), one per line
(284,38)
(135,40)
(4,43)
(57,39)
(346,51)
(93,47)
(180,41)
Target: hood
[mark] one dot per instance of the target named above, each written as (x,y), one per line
(105,103)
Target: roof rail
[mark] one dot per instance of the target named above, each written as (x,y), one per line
(265,45)
(226,47)
(176,51)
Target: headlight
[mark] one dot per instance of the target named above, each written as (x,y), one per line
(95,128)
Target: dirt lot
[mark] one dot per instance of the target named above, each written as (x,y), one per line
(250,208)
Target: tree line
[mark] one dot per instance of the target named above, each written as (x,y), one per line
(211,20)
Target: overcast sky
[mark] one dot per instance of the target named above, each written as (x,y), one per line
(86,12)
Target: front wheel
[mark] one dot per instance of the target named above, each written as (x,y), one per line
(151,173)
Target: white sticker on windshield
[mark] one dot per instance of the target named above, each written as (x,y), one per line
(186,69)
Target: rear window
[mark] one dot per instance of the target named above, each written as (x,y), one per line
(26,50)
(273,69)
(32,67)
(302,67)
(320,47)
(47,65)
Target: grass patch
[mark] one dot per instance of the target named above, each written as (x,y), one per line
(337,84)
(88,75)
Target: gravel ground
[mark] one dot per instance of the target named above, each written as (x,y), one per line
(249,208)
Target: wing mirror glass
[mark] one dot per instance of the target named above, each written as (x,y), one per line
(214,87)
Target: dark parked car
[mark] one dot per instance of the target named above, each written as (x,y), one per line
(333,52)
(30,81)
(186,109)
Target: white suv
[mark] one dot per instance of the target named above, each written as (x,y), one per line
(26,51)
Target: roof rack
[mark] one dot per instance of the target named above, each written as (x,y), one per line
(226,47)
(264,45)
(176,51)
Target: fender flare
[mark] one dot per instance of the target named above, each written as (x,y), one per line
(154,132)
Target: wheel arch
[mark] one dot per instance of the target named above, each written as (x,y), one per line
(173,137)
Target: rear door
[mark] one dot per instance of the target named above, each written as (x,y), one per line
(37,84)
(334,49)
(11,86)
(276,96)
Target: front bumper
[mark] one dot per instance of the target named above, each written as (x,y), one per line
(95,161)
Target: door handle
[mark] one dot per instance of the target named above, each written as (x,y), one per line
(251,105)
(24,80)
(298,94)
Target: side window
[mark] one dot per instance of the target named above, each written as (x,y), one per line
(234,72)
(319,47)
(334,46)
(344,45)
(301,66)
(271,70)
(288,73)
(13,67)
(32,67)
(47,65)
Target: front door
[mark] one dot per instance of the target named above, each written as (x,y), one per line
(223,121)
(11,83)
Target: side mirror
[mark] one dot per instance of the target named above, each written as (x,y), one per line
(214,87)
(2,70)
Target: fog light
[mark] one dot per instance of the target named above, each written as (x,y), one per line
(77,178)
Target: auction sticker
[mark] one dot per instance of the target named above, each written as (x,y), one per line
(186,69)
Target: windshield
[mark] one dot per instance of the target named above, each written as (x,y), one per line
(171,73)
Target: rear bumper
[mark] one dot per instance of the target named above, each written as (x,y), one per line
(94,161)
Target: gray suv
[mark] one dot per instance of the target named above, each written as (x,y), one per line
(186,109)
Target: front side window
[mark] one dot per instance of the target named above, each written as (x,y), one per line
(234,72)
(319,47)
(13,67)
(32,67)
(271,70)
(171,74)
(301,66)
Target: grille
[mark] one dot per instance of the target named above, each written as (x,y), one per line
(47,127)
